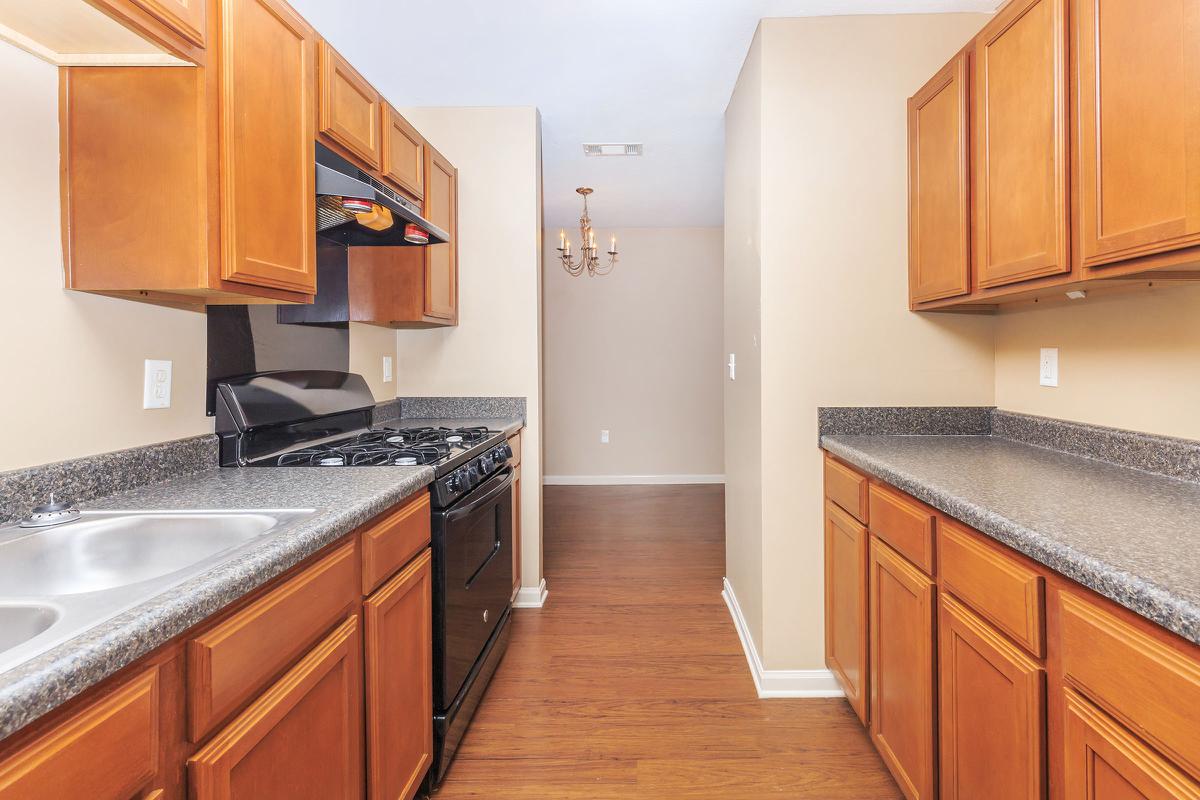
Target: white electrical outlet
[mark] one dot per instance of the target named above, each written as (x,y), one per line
(156,386)
(387,369)
(1048,369)
(604,436)
(732,366)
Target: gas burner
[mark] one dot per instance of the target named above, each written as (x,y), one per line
(455,437)
(369,449)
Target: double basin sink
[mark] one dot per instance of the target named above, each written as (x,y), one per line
(58,582)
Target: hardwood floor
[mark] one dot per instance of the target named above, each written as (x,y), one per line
(631,682)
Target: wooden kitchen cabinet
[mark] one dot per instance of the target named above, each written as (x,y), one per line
(901,679)
(1103,761)
(846,557)
(1138,135)
(412,287)
(939,246)
(399,688)
(109,750)
(350,110)
(516,530)
(1020,134)
(403,154)
(301,738)
(267,117)
(991,714)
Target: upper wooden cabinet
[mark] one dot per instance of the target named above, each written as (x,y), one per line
(441,260)
(939,250)
(1020,144)
(350,108)
(403,153)
(267,116)
(1138,174)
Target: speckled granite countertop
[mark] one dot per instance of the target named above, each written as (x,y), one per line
(343,499)
(1129,535)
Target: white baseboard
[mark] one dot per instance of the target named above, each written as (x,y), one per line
(627,480)
(778,682)
(531,596)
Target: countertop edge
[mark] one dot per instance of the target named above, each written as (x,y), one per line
(1129,591)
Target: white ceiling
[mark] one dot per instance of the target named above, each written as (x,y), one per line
(653,71)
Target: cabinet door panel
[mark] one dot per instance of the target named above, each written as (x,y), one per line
(1106,762)
(992,712)
(350,108)
(186,17)
(399,619)
(939,250)
(1138,67)
(301,738)
(902,664)
(403,153)
(846,604)
(268,126)
(1020,136)
(441,262)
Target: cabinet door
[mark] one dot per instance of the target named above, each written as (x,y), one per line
(846,604)
(399,623)
(350,108)
(1106,762)
(185,17)
(107,751)
(902,663)
(1020,144)
(992,712)
(516,529)
(301,739)
(441,261)
(1138,67)
(939,247)
(403,153)
(268,126)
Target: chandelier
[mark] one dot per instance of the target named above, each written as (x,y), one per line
(590,258)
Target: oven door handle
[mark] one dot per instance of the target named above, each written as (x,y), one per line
(502,481)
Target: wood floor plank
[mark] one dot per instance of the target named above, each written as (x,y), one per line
(631,683)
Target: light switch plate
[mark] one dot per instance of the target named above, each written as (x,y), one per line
(1048,369)
(604,436)
(156,387)
(387,369)
(732,366)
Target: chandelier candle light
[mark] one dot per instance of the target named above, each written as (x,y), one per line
(590,258)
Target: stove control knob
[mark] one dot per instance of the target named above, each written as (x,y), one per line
(501,454)
(473,475)
(454,482)
(507,448)
(485,463)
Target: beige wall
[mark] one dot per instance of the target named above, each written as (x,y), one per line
(835,329)
(742,327)
(73,362)
(368,345)
(1128,360)
(636,352)
(494,350)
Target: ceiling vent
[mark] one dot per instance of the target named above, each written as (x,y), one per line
(612,149)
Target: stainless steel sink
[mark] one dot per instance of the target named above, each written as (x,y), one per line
(19,624)
(57,582)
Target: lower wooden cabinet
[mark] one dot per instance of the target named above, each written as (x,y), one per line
(902,670)
(516,530)
(109,750)
(1103,761)
(846,604)
(991,715)
(399,674)
(301,739)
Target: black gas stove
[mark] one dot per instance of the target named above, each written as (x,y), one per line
(311,418)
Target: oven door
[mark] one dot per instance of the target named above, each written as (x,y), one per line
(472,579)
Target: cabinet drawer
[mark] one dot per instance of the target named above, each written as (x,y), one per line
(1153,689)
(846,487)
(1005,592)
(233,661)
(903,523)
(392,542)
(108,751)
(514,442)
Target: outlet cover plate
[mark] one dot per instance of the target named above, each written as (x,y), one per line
(1048,367)
(156,387)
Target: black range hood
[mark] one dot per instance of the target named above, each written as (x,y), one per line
(339,180)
